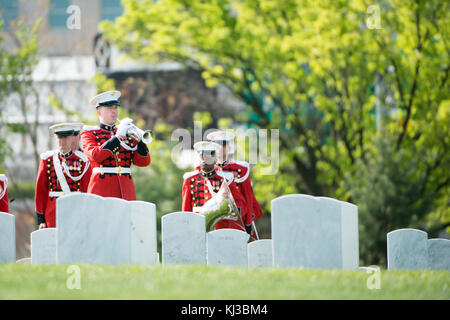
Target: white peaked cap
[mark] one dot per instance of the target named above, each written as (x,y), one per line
(105,98)
(220,136)
(206,146)
(66,128)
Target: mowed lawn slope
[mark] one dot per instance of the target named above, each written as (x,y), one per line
(22,281)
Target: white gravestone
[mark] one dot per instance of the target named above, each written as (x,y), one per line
(183,238)
(347,230)
(227,247)
(407,249)
(7,238)
(439,254)
(143,233)
(93,229)
(314,232)
(43,246)
(260,253)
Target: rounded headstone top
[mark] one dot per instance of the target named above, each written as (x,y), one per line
(409,230)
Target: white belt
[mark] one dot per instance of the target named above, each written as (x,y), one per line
(116,170)
(57,194)
(196,209)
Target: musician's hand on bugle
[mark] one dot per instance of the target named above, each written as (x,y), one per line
(123,127)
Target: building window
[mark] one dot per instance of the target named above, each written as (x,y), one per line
(111,9)
(9,10)
(58,16)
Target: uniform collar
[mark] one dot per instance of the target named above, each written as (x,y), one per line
(107,127)
(222,164)
(207,174)
(66,155)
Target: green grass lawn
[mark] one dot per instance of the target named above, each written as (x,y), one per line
(22,281)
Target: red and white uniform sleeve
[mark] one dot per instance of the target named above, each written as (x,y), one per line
(4,205)
(186,198)
(41,192)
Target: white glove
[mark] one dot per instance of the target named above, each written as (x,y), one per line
(123,127)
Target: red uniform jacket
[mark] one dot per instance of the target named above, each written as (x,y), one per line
(49,188)
(195,193)
(4,206)
(106,152)
(241,172)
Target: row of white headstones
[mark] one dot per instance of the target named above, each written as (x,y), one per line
(307,232)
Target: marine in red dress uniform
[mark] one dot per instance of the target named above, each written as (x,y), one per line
(4,206)
(111,152)
(200,185)
(60,172)
(239,169)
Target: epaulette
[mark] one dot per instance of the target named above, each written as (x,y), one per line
(81,155)
(47,154)
(91,128)
(187,175)
(242,163)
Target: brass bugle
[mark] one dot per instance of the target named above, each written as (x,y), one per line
(140,135)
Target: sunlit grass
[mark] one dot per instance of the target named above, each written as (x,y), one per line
(21,281)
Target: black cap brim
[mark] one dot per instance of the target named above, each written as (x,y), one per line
(109,103)
(62,134)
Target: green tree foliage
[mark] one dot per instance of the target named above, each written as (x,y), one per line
(316,69)
(16,68)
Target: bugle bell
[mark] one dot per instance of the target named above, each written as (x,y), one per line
(139,134)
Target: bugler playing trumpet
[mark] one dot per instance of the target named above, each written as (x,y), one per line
(113,149)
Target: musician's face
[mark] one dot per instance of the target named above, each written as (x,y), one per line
(224,153)
(207,161)
(108,114)
(64,143)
